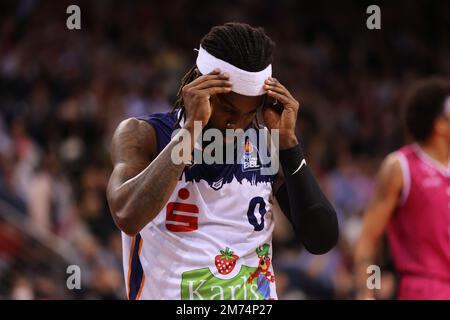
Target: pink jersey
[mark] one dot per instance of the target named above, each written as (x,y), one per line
(419,230)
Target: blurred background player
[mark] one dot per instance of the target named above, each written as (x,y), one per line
(411,202)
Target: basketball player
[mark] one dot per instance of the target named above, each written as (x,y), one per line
(204,231)
(412,201)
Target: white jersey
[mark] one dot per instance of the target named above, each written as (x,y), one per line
(212,240)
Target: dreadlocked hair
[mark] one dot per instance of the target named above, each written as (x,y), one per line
(239,44)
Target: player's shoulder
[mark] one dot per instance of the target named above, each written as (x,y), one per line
(135,137)
(395,158)
(131,123)
(164,119)
(392,161)
(398,161)
(147,121)
(391,169)
(133,127)
(406,151)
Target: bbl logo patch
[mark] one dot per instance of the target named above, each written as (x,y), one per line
(250,160)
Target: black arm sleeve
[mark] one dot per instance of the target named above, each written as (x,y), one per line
(313,217)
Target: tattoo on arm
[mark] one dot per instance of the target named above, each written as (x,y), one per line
(141,182)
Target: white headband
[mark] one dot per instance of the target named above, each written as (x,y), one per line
(243,82)
(447,106)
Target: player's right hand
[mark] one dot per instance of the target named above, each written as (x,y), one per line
(196,95)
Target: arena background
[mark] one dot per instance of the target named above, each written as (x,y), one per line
(63,92)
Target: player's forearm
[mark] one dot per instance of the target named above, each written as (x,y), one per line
(312,216)
(142,197)
(364,256)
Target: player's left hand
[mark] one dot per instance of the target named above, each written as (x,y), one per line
(283,115)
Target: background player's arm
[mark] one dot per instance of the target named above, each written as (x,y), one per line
(142,181)
(388,187)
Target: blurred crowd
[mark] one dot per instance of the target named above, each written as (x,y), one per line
(63,92)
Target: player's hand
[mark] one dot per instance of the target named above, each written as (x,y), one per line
(196,95)
(283,114)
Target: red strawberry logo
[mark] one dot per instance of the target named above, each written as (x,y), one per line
(225,261)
